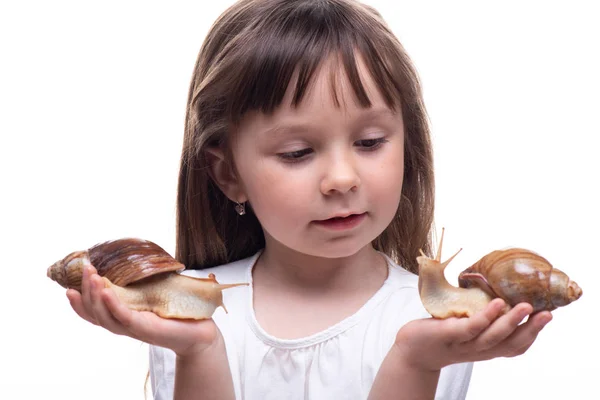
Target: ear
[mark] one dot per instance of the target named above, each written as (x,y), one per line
(224,175)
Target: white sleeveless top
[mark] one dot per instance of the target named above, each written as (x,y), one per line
(339,363)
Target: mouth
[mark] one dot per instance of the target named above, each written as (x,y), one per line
(342,222)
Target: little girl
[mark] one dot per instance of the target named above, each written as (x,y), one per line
(307,172)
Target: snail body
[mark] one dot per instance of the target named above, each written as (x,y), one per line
(145,278)
(515,275)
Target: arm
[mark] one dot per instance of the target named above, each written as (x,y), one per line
(423,347)
(204,375)
(202,368)
(398,380)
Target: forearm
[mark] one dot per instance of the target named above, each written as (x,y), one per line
(204,376)
(399,380)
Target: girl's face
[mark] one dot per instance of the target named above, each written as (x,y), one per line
(323,180)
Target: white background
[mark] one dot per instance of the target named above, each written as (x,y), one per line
(92,99)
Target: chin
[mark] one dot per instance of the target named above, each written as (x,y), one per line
(338,249)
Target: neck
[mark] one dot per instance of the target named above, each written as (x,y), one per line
(284,267)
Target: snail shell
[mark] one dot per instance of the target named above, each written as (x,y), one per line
(121,261)
(515,275)
(145,278)
(519,275)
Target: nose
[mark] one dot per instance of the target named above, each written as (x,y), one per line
(341,176)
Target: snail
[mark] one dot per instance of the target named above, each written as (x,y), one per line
(145,278)
(515,275)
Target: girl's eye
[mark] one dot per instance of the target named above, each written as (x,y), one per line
(300,155)
(371,144)
(295,156)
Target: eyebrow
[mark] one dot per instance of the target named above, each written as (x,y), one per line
(369,114)
(283,129)
(376,113)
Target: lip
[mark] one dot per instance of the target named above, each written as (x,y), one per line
(342,222)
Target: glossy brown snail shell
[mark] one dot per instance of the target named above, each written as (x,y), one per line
(145,278)
(515,275)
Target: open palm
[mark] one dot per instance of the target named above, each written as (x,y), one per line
(100,306)
(435,343)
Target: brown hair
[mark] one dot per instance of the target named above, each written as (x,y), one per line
(246,63)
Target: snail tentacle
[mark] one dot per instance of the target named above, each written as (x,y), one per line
(440,298)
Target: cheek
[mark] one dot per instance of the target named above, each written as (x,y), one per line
(384,186)
(273,194)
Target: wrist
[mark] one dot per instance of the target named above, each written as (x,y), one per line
(200,349)
(203,370)
(415,362)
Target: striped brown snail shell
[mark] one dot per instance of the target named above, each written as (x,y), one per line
(145,278)
(515,275)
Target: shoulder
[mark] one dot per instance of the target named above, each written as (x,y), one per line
(236,300)
(398,303)
(403,289)
(233,272)
(400,277)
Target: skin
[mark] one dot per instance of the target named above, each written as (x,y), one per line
(305,266)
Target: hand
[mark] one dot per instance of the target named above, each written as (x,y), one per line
(430,344)
(100,306)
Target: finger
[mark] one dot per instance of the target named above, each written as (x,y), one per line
(99,309)
(502,328)
(150,328)
(85,289)
(118,310)
(140,325)
(470,328)
(76,303)
(527,333)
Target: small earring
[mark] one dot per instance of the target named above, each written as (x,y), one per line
(240,208)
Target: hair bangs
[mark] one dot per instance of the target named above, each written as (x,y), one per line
(294,42)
